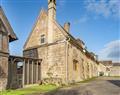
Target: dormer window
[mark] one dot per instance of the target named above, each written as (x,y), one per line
(42,39)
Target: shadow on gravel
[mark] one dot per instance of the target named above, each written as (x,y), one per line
(115,82)
(69,92)
(63,92)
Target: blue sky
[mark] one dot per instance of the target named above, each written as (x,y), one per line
(96,22)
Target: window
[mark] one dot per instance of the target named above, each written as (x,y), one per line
(75,65)
(42,39)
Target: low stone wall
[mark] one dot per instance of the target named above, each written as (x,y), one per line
(56,81)
(3,84)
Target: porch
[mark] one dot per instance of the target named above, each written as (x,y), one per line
(23,71)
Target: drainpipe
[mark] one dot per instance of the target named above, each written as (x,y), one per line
(67,40)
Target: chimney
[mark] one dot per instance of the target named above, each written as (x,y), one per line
(51,18)
(67,26)
(52,9)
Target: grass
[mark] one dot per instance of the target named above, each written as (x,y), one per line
(30,90)
(41,88)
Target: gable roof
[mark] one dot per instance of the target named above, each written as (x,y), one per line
(107,63)
(116,64)
(68,35)
(41,12)
(7,25)
(65,33)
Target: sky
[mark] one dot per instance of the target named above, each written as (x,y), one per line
(96,22)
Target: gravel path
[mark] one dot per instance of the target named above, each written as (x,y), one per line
(101,86)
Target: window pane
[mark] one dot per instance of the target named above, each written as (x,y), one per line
(42,38)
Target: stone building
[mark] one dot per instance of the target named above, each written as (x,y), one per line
(6,35)
(109,68)
(115,70)
(101,69)
(65,58)
(10,75)
(106,69)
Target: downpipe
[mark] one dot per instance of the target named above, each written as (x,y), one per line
(67,40)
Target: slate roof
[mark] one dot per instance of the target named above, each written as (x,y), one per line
(116,64)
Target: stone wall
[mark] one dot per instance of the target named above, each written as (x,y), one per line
(53,53)
(79,73)
(39,28)
(3,84)
(57,56)
(101,69)
(3,72)
(115,71)
(86,68)
(53,64)
(4,60)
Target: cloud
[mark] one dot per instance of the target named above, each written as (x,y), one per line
(61,2)
(105,8)
(82,19)
(60,5)
(111,51)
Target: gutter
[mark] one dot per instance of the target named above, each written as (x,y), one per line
(67,40)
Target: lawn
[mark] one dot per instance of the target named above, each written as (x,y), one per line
(40,88)
(30,90)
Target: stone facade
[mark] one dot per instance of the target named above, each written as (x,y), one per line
(3,72)
(101,69)
(115,70)
(86,67)
(108,65)
(64,58)
(108,68)
(6,35)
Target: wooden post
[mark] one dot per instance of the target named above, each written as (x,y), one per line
(37,72)
(11,73)
(32,71)
(28,72)
(23,76)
